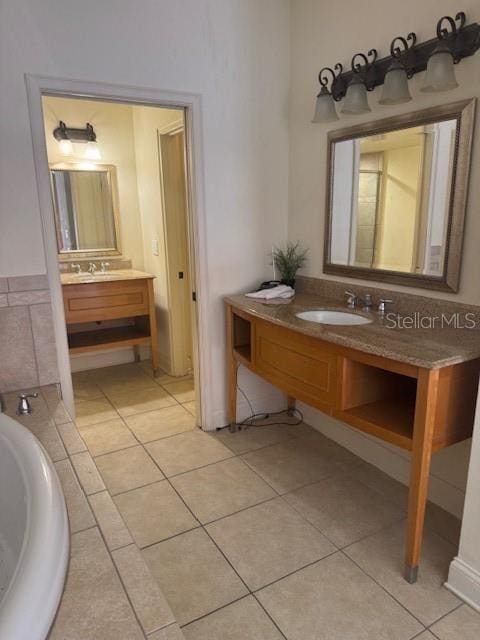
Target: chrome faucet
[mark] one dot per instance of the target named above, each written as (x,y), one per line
(77,267)
(367,302)
(352,299)
(382,305)
(24,407)
(92,267)
(103,266)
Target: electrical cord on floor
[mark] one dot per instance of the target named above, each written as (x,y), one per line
(252,420)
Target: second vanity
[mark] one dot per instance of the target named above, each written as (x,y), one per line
(125,294)
(413,388)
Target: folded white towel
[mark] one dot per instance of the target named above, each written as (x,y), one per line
(280,291)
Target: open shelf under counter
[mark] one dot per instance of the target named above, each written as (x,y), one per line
(111,338)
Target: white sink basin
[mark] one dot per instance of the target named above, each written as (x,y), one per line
(333,317)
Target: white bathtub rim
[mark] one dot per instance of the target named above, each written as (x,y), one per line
(30,602)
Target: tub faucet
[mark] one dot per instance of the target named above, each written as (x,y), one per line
(24,408)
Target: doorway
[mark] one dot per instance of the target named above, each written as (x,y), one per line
(185,261)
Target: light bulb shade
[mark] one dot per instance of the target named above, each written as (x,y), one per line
(395,86)
(66,147)
(440,74)
(325,107)
(92,151)
(356,101)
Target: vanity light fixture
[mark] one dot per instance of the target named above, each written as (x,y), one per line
(395,86)
(440,74)
(356,101)
(66,135)
(454,41)
(325,104)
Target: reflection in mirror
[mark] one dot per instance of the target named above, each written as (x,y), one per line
(391,197)
(84,210)
(396,197)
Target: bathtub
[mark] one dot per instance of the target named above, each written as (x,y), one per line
(34,535)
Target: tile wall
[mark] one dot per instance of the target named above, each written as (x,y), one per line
(28,356)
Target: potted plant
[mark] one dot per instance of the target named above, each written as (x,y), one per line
(288,261)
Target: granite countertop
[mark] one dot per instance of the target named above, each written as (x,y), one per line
(108,276)
(431,347)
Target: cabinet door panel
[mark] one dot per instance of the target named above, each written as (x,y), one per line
(299,365)
(90,302)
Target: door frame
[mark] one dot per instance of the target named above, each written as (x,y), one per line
(191,103)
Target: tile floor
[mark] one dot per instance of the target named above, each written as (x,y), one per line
(273,532)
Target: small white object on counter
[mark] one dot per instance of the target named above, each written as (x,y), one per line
(280,291)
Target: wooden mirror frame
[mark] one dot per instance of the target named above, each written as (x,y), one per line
(464,113)
(82,254)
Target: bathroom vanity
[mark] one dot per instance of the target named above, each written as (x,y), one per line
(120,294)
(415,389)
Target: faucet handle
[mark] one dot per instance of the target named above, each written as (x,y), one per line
(382,305)
(24,407)
(351,298)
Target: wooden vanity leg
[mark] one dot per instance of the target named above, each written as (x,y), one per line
(290,406)
(232,371)
(423,432)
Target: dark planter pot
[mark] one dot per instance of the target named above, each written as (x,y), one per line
(289,283)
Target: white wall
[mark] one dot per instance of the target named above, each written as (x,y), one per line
(323,33)
(235,54)
(113,126)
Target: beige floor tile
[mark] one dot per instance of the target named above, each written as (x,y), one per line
(462,624)
(72,440)
(445,524)
(182,391)
(117,372)
(143,590)
(374,478)
(80,515)
(128,387)
(381,556)
(327,448)
(93,411)
(165,378)
(334,600)
(289,465)
(426,635)
(268,541)
(127,469)
(161,423)
(191,407)
(344,509)
(87,390)
(251,438)
(106,437)
(142,400)
(154,513)
(241,620)
(87,473)
(194,576)
(240,488)
(110,521)
(94,605)
(172,632)
(187,451)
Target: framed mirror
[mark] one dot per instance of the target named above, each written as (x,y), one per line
(86,212)
(396,197)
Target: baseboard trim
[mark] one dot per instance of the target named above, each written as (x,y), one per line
(464,582)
